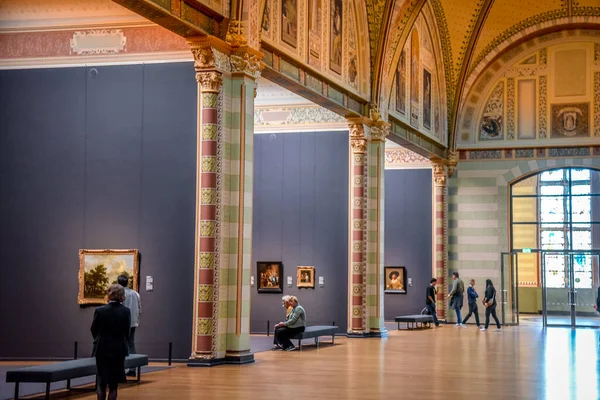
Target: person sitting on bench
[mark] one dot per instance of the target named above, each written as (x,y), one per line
(110,329)
(295,324)
(288,309)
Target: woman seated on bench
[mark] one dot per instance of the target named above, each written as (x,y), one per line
(295,323)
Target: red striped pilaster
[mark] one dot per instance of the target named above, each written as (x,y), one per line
(440,261)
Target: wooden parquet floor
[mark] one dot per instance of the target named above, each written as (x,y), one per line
(523,362)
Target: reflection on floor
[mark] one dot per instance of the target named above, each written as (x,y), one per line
(561,320)
(525,362)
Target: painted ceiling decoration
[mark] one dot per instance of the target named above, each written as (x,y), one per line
(346,52)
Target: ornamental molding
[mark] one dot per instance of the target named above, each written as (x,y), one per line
(379,133)
(403,158)
(246,63)
(235,34)
(358,140)
(98,41)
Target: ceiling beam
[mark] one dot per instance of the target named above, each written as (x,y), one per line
(464,68)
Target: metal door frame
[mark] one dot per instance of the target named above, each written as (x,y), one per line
(516,294)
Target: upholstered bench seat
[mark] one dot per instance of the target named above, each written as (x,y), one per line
(414,320)
(66,370)
(315,332)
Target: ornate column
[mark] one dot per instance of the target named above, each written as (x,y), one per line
(226,77)
(440,237)
(357,325)
(375,228)
(207,226)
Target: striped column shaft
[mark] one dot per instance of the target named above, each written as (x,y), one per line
(440,238)
(358,226)
(207,224)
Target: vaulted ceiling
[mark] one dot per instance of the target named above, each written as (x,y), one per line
(472,32)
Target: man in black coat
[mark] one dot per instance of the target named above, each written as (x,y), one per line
(110,329)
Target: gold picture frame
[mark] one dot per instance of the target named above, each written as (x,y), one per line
(98,269)
(305,277)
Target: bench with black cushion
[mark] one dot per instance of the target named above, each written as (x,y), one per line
(316,331)
(414,320)
(66,370)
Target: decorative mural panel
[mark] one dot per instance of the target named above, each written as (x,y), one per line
(491,126)
(401,84)
(414,78)
(330,36)
(597,103)
(335,62)
(570,120)
(543,108)
(289,22)
(426,99)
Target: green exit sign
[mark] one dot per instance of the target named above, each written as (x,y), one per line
(526,250)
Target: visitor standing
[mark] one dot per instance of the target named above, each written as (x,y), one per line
(134,303)
(110,329)
(430,300)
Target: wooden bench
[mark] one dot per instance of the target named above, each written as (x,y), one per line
(316,331)
(66,370)
(414,320)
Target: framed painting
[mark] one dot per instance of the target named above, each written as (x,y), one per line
(98,269)
(270,276)
(305,277)
(395,280)
(289,22)
(401,84)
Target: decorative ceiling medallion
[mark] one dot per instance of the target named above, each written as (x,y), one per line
(98,41)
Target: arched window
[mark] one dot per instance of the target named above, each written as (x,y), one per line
(557,210)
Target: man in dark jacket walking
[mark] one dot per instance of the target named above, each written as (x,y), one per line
(472,299)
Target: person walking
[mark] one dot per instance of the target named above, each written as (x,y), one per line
(430,300)
(489,302)
(472,300)
(134,303)
(110,330)
(456,297)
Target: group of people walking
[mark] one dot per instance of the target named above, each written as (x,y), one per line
(456,297)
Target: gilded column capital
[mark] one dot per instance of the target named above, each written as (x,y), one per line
(358,140)
(452,162)
(379,128)
(379,133)
(210,81)
(439,174)
(209,54)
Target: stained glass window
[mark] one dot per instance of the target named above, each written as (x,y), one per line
(580,175)
(552,209)
(555,271)
(555,175)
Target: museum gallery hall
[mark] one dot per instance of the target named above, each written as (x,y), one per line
(325,199)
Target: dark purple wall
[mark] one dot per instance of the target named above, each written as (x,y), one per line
(98,157)
(408,236)
(301,218)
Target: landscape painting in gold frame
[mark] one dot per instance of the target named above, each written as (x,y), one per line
(305,277)
(98,269)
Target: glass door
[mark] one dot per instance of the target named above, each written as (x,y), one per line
(509,298)
(569,281)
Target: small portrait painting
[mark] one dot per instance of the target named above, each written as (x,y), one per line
(270,276)
(395,280)
(98,269)
(401,84)
(570,120)
(352,70)
(266,20)
(289,22)
(335,62)
(426,99)
(305,277)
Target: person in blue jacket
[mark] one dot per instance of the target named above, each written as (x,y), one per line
(472,299)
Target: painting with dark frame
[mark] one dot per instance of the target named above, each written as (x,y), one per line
(337,18)
(289,22)
(270,276)
(98,269)
(395,280)
(426,99)
(401,84)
